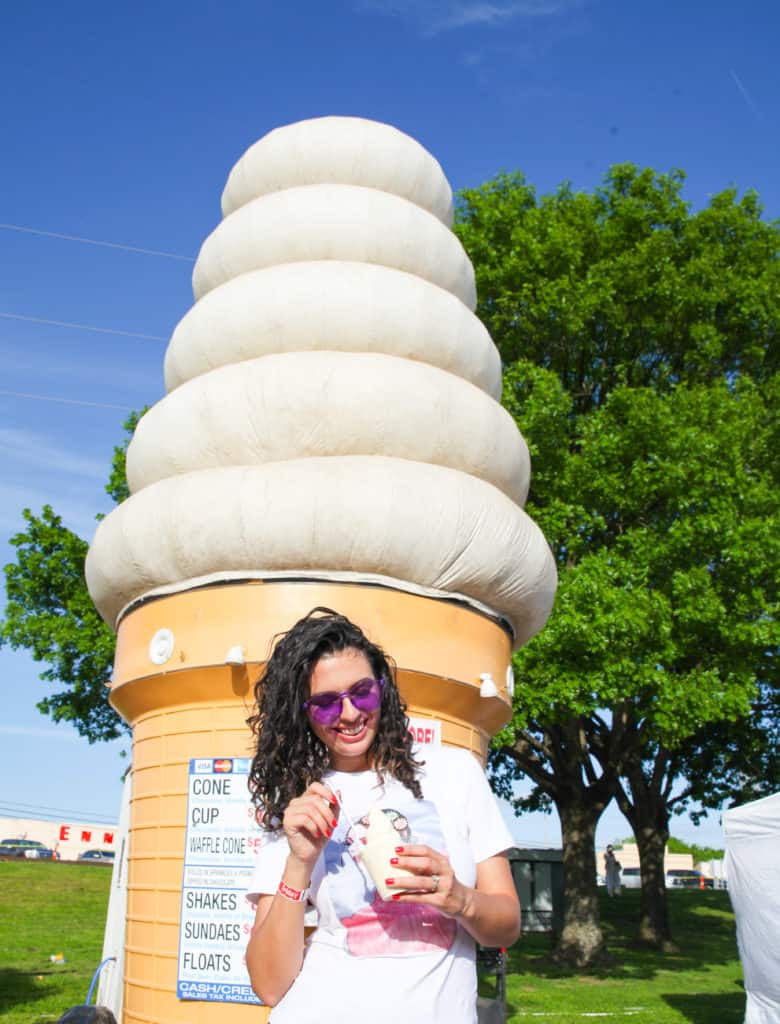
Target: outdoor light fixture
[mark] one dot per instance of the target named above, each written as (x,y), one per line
(488,688)
(161,646)
(235,656)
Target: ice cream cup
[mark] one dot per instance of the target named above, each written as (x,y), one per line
(380,843)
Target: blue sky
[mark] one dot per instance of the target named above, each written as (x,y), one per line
(120,123)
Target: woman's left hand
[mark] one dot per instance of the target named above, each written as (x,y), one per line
(434,881)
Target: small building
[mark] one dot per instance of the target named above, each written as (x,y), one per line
(628,855)
(67,839)
(538,877)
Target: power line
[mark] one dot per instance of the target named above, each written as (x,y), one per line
(99,820)
(36,812)
(81,327)
(48,807)
(18,810)
(95,241)
(65,401)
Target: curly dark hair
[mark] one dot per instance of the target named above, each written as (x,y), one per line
(288,755)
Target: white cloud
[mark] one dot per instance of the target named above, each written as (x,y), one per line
(36,470)
(746,96)
(77,513)
(42,452)
(137,382)
(38,732)
(434,16)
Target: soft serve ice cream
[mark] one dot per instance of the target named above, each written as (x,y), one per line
(379,846)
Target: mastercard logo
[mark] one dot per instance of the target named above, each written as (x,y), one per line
(223,764)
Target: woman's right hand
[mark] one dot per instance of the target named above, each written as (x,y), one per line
(309,821)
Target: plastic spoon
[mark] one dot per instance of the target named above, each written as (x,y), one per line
(350,822)
(340,802)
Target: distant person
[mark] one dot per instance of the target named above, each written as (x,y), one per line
(612,872)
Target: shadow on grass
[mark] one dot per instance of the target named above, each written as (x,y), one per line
(704,1009)
(702,926)
(18,988)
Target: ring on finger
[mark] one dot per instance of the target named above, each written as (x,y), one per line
(435,880)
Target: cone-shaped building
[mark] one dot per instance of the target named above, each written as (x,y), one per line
(331,436)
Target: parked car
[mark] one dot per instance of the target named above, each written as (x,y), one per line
(29,848)
(98,856)
(688,878)
(630,878)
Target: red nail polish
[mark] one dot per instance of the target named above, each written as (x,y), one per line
(334,823)
(399,849)
(396,895)
(329,831)
(393,860)
(389,881)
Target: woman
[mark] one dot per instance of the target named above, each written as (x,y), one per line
(612,872)
(332,743)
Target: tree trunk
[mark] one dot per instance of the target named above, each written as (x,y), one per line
(653,911)
(648,812)
(563,759)
(581,941)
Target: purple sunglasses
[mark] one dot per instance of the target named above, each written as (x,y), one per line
(326,708)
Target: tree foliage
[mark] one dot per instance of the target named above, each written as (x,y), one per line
(640,343)
(624,285)
(699,853)
(49,613)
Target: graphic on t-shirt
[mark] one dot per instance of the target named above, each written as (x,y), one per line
(374,927)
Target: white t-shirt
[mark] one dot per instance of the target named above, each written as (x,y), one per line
(390,962)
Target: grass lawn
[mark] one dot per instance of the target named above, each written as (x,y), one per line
(48,908)
(701,984)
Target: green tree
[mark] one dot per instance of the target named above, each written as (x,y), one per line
(624,285)
(698,516)
(699,853)
(735,762)
(640,349)
(50,613)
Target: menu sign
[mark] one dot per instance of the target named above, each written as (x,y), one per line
(222,839)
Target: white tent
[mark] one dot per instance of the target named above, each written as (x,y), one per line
(753,870)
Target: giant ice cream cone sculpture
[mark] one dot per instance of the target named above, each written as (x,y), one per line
(331,436)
